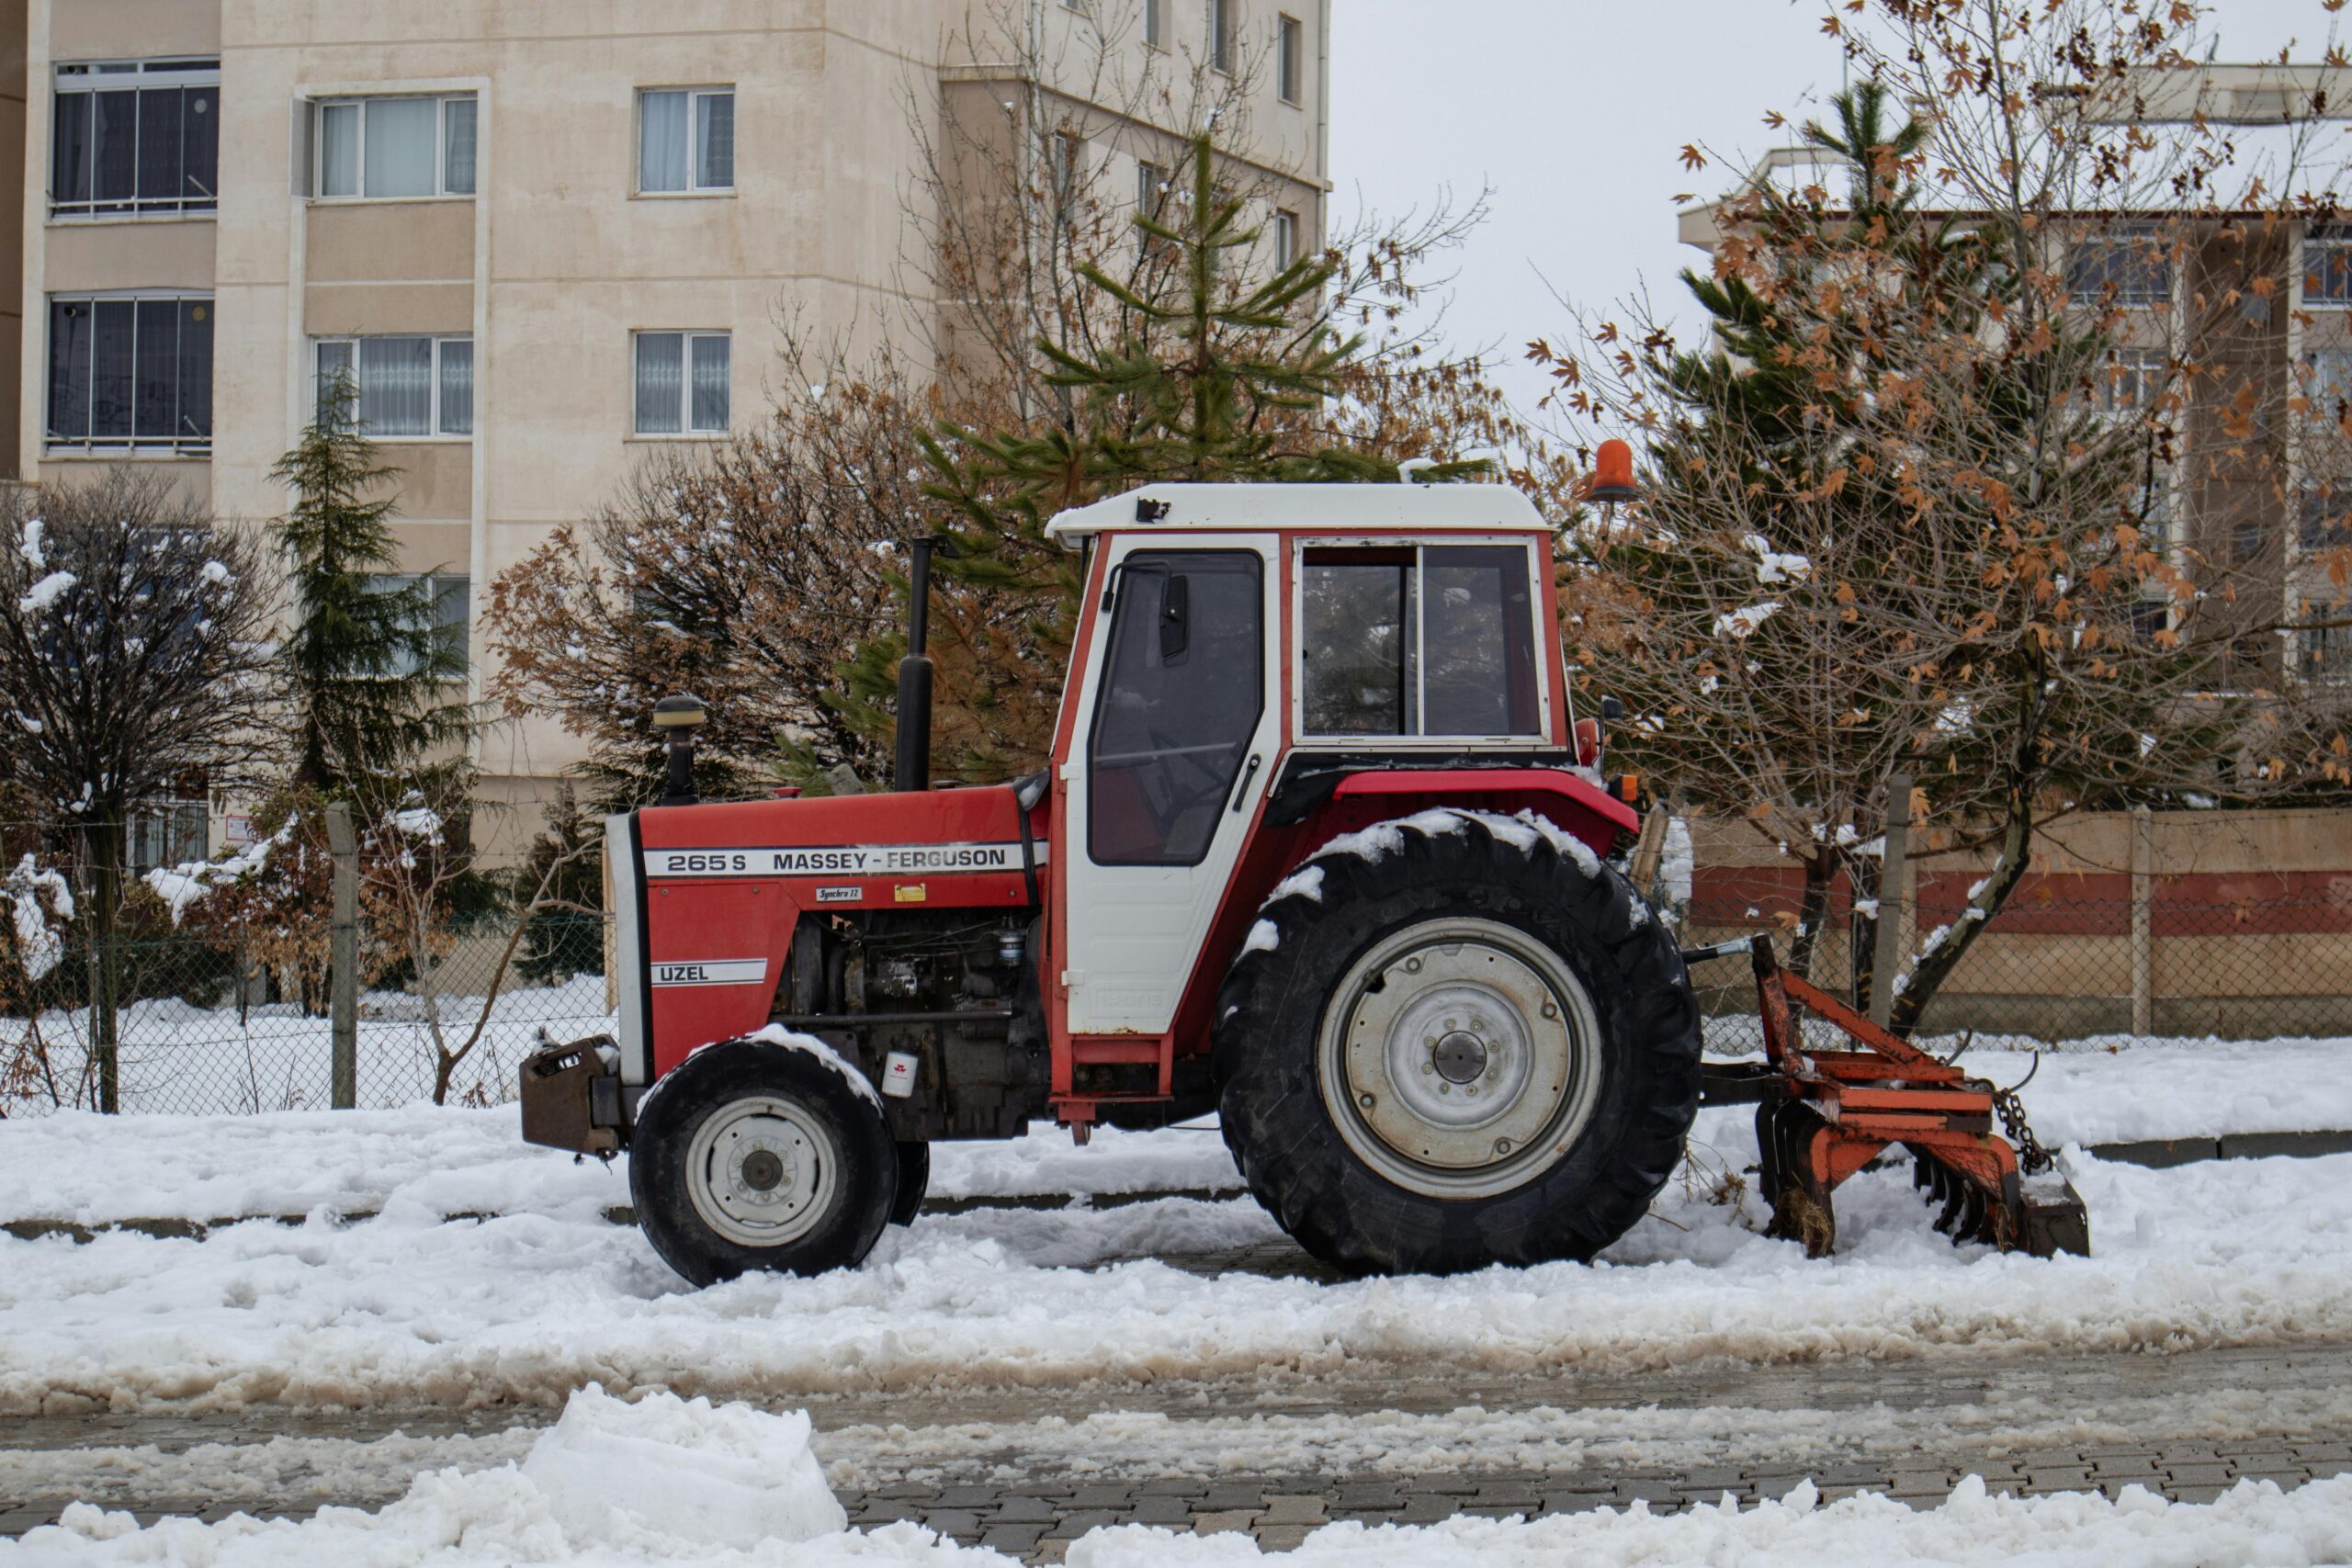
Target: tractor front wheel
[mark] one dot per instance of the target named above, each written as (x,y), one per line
(1457,1040)
(755,1155)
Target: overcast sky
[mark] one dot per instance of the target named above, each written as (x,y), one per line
(1575,110)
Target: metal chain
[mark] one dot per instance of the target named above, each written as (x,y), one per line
(2032,1156)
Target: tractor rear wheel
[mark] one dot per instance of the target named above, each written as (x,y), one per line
(753,1155)
(1457,1040)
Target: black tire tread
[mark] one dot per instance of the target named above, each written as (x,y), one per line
(1518,870)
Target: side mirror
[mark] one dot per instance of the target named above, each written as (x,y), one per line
(1175,617)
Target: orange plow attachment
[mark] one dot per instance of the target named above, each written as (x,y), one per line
(1823,1115)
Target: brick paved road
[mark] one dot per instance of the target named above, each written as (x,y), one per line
(1009,1470)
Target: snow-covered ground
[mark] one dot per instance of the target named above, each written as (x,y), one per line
(664,1480)
(547,1295)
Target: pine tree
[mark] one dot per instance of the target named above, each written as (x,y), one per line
(1227,377)
(370,670)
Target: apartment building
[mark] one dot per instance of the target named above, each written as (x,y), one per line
(2259,495)
(545,238)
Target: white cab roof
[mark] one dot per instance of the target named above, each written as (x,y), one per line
(1257,508)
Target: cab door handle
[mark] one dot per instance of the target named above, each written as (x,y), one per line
(1241,791)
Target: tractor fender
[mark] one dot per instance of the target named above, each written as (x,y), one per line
(1569,798)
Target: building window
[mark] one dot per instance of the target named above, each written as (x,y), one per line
(135,137)
(2326,650)
(1151,183)
(166,833)
(2128,380)
(2327,383)
(449,606)
(682,383)
(1221,35)
(2327,269)
(1289,61)
(1285,238)
(395,149)
(2129,269)
(408,386)
(685,140)
(130,372)
(2150,616)
(1155,23)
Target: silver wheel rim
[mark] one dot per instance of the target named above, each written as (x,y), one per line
(1460,1058)
(761,1171)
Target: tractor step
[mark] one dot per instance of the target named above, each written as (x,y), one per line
(1823,1115)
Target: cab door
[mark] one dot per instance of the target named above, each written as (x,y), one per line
(1177,727)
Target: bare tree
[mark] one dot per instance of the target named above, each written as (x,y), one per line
(134,659)
(414,856)
(1918,506)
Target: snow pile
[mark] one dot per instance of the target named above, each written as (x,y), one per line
(45,594)
(621,1509)
(181,886)
(1679,864)
(1777,566)
(40,944)
(2255,1522)
(661,1480)
(681,1471)
(1742,623)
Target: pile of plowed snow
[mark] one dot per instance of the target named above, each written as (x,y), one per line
(666,1480)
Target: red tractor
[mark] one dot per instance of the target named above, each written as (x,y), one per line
(1321,848)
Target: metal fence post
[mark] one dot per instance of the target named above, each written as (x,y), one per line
(343,971)
(2143,925)
(1886,950)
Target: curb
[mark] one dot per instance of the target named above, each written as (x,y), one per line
(2159,1154)
(618,1213)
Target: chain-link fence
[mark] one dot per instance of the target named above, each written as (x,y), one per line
(2081,957)
(193,1028)
(191,1019)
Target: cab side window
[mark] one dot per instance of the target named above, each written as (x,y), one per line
(1417,641)
(1183,684)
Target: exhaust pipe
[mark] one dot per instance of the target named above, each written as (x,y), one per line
(912,769)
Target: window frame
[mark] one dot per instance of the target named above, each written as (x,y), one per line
(1289,47)
(1286,250)
(1223,34)
(1260,565)
(693,95)
(440,101)
(2321,243)
(687,430)
(87,444)
(1297,653)
(432,419)
(90,77)
(2122,254)
(1155,24)
(435,581)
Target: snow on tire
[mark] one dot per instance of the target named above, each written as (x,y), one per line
(1453,1039)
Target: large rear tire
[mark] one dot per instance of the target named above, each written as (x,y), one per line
(1457,1040)
(753,1155)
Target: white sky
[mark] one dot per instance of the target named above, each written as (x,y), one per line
(1575,111)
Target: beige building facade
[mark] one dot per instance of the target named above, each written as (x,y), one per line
(547,238)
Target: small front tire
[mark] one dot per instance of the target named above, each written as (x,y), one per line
(754,1155)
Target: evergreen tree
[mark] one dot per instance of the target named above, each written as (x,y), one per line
(1226,377)
(370,669)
